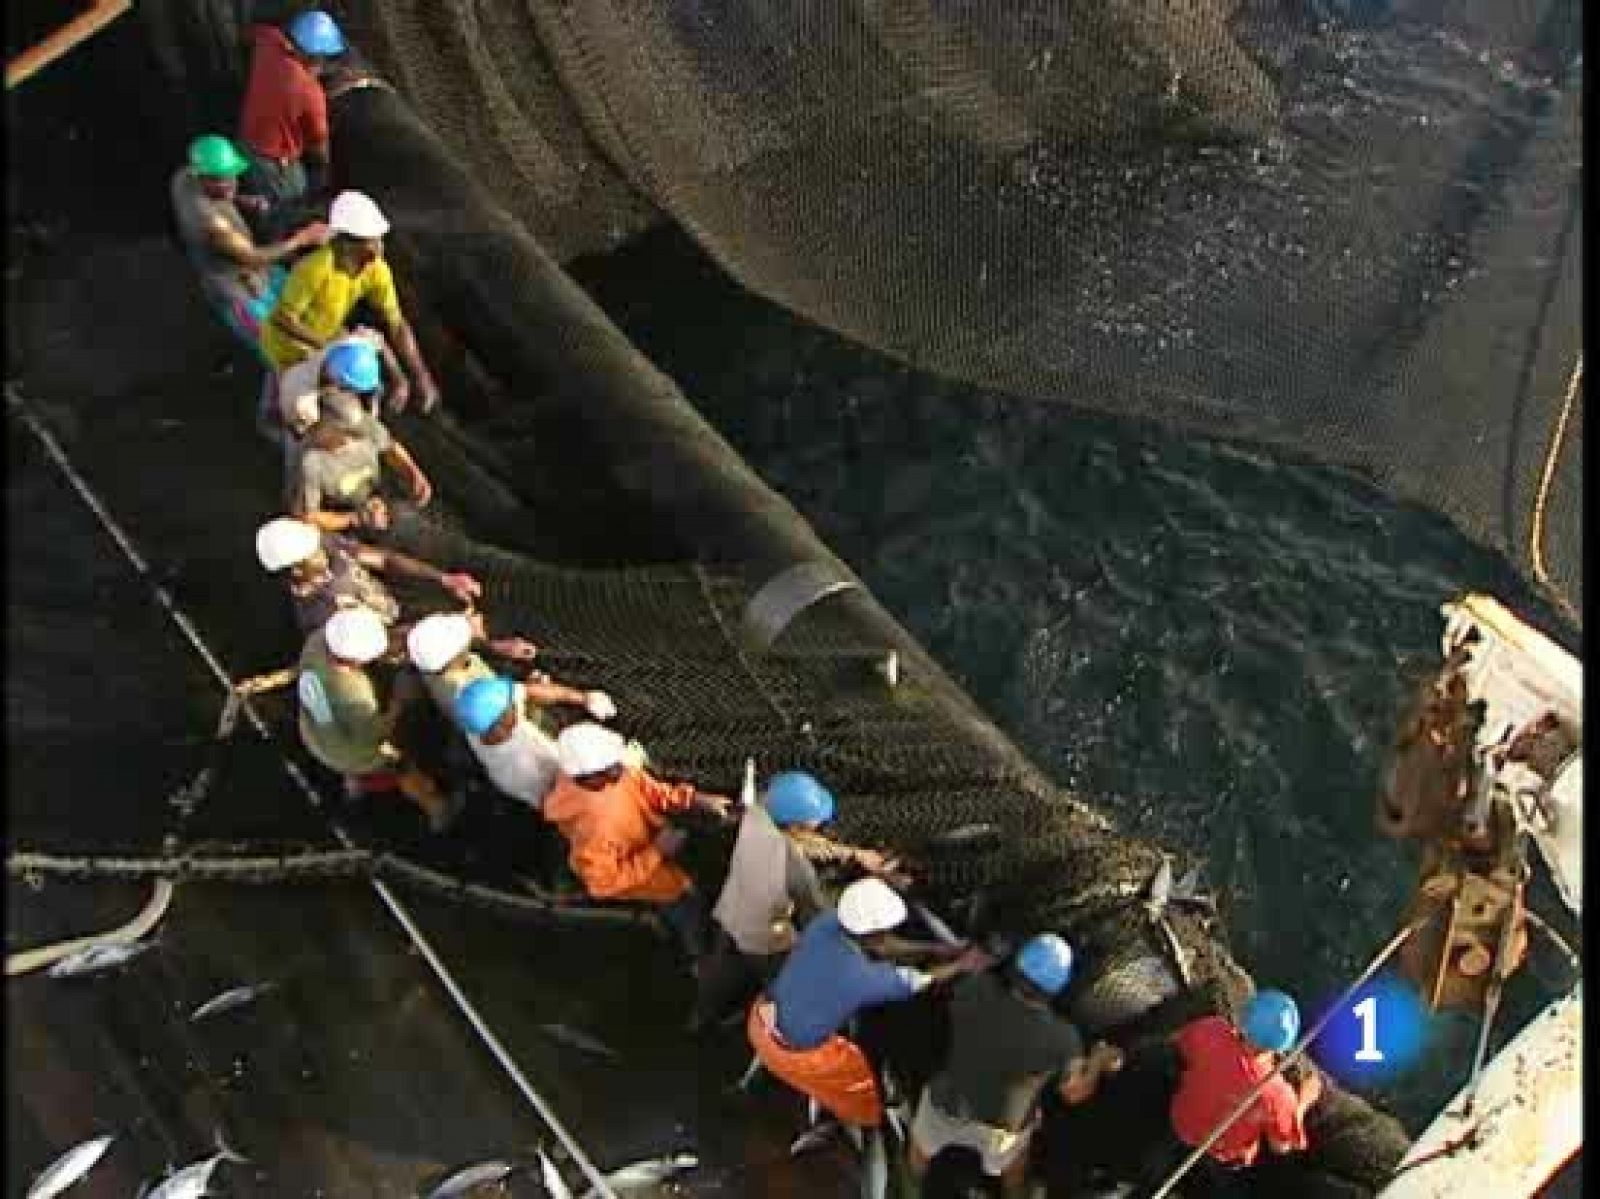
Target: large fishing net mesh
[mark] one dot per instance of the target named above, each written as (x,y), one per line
(1347,228)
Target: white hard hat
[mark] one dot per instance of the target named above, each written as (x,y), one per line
(355,214)
(435,640)
(870,906)
(356,635)
(588,749)
(286,542)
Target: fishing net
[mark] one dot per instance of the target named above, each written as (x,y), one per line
(1348,230)
(1345,228)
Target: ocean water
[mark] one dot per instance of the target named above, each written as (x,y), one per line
(1208,641)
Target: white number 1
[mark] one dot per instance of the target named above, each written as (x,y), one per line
(1367,1010)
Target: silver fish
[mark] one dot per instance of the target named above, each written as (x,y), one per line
(229,1000)
(69,1167)
(647,1173)
(568,1035)
(967,834)
(98,957)
(813,1138)
(874,1167)
(468,1177)
(193,1181)
(554,1184)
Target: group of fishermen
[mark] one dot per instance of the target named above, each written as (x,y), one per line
(798,965)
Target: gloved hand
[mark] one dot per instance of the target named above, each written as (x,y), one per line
(598,704)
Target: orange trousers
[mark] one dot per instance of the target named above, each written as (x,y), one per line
(836,1073)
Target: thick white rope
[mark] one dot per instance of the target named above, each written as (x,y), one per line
(26,961)
(546,1113)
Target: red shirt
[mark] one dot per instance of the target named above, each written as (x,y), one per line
(284,107)
(1219,1069)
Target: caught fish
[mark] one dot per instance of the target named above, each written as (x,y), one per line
(69,1167)
(554,1184)
(468,1178)
(967,836)
(647,1173)
(228,1000)
(814,1138)
(874,1167)
(194,1180)
(98,957)
(568,1035)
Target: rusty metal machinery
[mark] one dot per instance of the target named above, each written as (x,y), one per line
(1473,765)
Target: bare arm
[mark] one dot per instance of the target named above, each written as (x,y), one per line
(236,247)
(292,328)
(400,459)
(406,343)
(551,692)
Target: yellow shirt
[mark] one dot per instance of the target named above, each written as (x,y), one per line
(320,296)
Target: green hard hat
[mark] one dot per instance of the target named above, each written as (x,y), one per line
(214,154)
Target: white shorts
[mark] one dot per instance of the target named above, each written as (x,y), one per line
(935,1130)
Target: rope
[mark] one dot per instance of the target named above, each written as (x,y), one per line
(538,903)
(396,909)
(1547,477)
(28,960)
(1294,1055)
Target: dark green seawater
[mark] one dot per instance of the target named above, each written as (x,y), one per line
(1208,641)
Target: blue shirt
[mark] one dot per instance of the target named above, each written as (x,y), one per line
(827,980)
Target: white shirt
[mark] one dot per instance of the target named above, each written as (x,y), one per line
(524,765)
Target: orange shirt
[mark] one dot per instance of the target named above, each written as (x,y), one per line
(612,835)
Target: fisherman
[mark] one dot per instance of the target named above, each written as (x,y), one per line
(836,970)
(1005,1044)
(283,122)
(615,819)
(347,716)
(772,890)
(509,733)
(240,278)
(441,649)
(326,285)
(1218,1065)
(328,573)
(358,363)
(335,472)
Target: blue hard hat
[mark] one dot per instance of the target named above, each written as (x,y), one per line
(317,34)
(482,703)
(1046,961)
(795,797)
(353,365)
(1271,1021)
